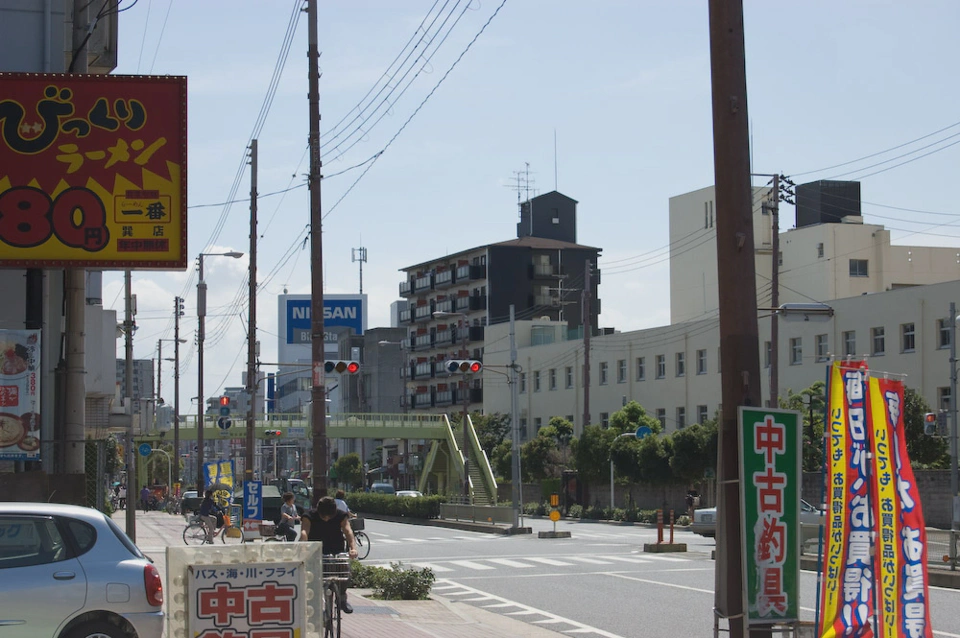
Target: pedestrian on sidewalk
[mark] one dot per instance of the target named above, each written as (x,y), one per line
(331,526)
(145,498)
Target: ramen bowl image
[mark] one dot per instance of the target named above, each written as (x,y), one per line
(12,430)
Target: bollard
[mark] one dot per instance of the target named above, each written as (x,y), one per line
(671,527)
(659,527)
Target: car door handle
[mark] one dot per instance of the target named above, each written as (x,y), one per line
(64,575)
(7,623)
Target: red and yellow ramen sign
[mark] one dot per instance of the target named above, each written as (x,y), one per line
(93,171)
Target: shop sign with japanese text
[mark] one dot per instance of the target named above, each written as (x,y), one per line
(770,448)
(20,395)
(93,171)
(247,600)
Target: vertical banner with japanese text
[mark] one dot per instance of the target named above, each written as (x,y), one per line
(848,579)
(770,447)
(902,551)
(20,395)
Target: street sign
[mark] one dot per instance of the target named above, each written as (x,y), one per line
(643,431)
(224,423)
(253,502)
(145,449)
(224,410)
(554,515)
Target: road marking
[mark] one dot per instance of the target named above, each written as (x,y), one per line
(509,563)
(549,561)
(627,559)
(388,540)
(670,559)
(432,566)
(469,564)
(526,610)
(416,540)
(590,561)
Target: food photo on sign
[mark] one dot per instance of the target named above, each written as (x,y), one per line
(19,395)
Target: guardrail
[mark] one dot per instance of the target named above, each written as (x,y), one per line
(477,513)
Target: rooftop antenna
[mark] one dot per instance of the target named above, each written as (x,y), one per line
(523,186)
(359,254)
(556,179)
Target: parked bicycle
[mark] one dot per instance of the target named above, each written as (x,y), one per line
(336,577)
(195,532)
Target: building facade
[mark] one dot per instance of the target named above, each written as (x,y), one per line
(452,299)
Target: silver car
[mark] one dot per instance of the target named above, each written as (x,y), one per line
(71,572)
(705,524)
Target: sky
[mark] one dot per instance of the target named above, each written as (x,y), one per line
(431,110)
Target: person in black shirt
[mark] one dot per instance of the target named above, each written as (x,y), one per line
(331,527)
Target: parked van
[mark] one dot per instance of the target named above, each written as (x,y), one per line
(382,488)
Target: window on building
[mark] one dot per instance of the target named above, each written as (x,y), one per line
(943,398)
(552,379)
(681,364)
(537,424)
(662,417)
(603,372)
(702,414)
(568,377)
(820,250)
(849,343)
(661,366)
(523,382)
(943,333)
(604,419)
(523,428)
(796,351)
(536,381)
(877,337)
(822,347)
(908,337)
(858,268)
(622,371)
(681,417)
(701,361)
(570,418)
(767,354)
(641,369)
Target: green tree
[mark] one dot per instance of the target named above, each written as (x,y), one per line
(492,429)
(591,452)
(926,452)
(563,430)
(694,452)
(631,416)
(349,470)
(501,460)
(811,403)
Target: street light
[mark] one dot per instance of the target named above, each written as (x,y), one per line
(201,314)
(440,314)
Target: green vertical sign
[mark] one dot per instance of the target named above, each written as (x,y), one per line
(770,453)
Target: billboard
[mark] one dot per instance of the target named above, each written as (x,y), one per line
(93,171)
(20,395)
(338,311)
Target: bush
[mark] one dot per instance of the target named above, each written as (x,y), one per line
(683,521)
(396,583)
(372,503)
(535,509)
(575,511)
(593,513)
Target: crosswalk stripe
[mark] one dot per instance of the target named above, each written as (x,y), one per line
(388,540)
(416,540)
(589,561)
(670,559)
(549,561)
(626,559)
(469,564)
(509,563)
(433,566)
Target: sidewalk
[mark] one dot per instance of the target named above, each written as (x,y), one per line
(434,618)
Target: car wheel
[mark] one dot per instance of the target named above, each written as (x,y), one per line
(96,629)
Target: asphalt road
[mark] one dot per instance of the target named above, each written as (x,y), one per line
(599,582)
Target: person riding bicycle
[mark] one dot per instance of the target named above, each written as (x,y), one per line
(208,514)
(288,518)
(331,526)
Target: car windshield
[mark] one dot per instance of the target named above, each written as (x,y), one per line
(123,538)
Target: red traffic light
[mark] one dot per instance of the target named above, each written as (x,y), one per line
(352,367)
(467,366)
(348,367)
(224,401)
(475,366)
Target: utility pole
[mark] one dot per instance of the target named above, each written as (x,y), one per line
(131,517)
(515,493)
(159,365)
(177,313)
(466,399)
(736,276)
(774,208)
(359,254)
(318,415)
(252,322)
(587,329)
(954,488)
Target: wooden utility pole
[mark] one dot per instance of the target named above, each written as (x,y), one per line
(587,329)
(736,275)
(774,207)
(252,322)
(318,394)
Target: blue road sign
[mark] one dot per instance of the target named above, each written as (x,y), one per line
(643,431)
(224,423)
(145,449)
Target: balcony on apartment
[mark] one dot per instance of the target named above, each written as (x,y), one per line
(423,342)
(444,305)
(423,313)
(471,272)
(406,288)
(443,279)
(405,315)
(423,370)
(443,397)
(422,284)
(544,271)
(478,302)
(443,337)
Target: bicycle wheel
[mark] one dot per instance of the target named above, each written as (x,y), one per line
(231,535)
(328,610)
(194,534)
(363,544)
(335,611)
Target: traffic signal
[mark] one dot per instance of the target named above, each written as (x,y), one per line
(178,306)
(350,367)
(225,401)
(935,423)
(467,366)
(273,434)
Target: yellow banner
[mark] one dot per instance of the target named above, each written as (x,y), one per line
(836,451)
(885,512)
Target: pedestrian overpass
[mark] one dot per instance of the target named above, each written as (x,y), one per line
(443,466)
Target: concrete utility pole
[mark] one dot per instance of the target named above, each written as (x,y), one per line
(75,287)
(515,493)
(464,327)
(159,365)
(131,515)
(954,479)
(318,394)
(177,313)
(736,275)
(587,329)
(252,322)
(774,208)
